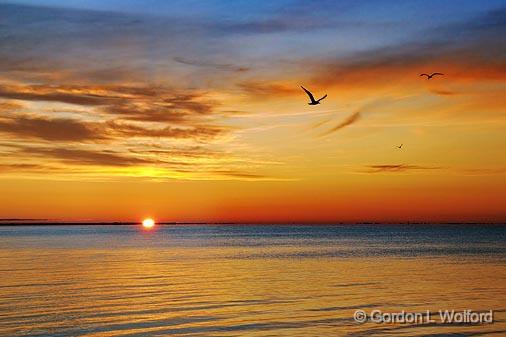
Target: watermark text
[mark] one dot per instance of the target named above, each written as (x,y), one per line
(425,317)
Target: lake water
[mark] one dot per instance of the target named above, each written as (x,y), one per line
(264,280)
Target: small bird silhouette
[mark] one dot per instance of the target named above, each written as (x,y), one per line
(400,146)
(431,75)
(311,97)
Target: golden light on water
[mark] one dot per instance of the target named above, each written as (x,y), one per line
(148,223)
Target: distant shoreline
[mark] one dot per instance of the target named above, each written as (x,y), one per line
(11,222)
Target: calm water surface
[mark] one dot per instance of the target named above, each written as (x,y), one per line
(247,280)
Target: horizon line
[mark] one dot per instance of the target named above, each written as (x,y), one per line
(48,222)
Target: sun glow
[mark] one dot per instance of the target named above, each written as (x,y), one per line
(148,223)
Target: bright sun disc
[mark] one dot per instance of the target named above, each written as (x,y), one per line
(148,223)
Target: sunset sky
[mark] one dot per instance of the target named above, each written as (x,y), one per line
(193,111)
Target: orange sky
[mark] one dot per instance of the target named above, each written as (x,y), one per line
(216,128)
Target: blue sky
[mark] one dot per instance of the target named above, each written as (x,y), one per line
(199,91)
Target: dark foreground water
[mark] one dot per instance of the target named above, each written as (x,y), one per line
(248,280)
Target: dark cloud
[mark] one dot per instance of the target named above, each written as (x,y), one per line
(58,129)
(398,168)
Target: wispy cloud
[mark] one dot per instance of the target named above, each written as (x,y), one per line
(353,118)
(183,152)
(239,174)
(218,66)
(393,168)
(197,132)
(263,89)
(443,92)
(50,94)
(16,167)
(273,25)
(87,157)
(483,171)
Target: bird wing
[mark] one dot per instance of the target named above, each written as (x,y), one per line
(311,97)
(424,75)
(322,97)
(436,74)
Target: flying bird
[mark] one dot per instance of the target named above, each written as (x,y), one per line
(311,97)
(400,146)
(431,75)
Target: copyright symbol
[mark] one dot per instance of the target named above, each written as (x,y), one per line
(360,316)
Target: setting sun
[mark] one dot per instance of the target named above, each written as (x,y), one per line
(148,223)
(284,167)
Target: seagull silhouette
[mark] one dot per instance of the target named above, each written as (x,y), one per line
(431,75)
(311,97)
(400,146)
